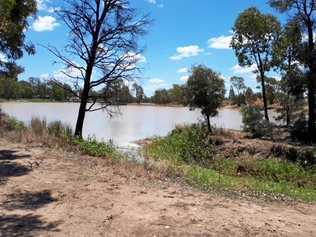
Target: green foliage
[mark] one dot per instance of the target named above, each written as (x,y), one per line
(14,124)
(139,93)
(254,123)
(246,174)
(161,96)
(174,95)
(254,36)
(299,130)
(238,85)
(14,16)
(117,93)
(94,148)
(205,90)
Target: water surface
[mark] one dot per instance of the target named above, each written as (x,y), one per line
(130,124)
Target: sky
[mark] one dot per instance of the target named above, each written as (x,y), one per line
(183,33)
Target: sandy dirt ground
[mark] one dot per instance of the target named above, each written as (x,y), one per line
(46,192)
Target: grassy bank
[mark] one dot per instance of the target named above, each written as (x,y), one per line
(202,160)
(56,135)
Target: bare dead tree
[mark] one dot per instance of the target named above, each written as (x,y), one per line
(102,48)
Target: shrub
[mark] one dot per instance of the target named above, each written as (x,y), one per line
(254,123)
(299,130)
(189,144)
(14,124)
(94,148)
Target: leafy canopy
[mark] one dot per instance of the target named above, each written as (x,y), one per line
(254,35)
(205,90)
(13,23)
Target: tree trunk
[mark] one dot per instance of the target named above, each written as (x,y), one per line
(82,112)
(264,97)
(209,127)
(288,118)
(311,107)
(83,102)
(311,84)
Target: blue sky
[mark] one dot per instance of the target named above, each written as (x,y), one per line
(184,33)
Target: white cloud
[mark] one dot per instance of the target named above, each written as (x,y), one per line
(53,9)
(244,70)
(156,82)
(184,78)
(3,58)
(187,52)
(183,70)
(41,4)
(152,1)
(221,42)
(248,72)
(138,58)
(45,23)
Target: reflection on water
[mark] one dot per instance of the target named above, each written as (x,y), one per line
(131,124)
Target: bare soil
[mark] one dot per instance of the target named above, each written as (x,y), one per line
(47,192)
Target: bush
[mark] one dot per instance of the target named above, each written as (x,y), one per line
(13,124)
(94,148)
(254,123)
(299,130)
(189,144)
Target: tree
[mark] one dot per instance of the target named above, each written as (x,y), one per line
(103,37)
(139,93)
(254,36)
(118,93)
(205,90)
(238,83)
(161,96)
(177,94)
(304,12)
(272,86)
(231,95)
(250,97)
(291,87)
(14,16)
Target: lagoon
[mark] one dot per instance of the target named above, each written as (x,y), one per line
(129,123)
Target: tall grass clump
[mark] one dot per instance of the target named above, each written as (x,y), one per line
(38,126)
(59,130)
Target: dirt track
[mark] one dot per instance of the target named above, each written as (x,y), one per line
(49,193)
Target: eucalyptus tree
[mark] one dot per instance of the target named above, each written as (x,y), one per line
(253,39)
(139,93)
(205,90)
(14,16)
(238,83)
(304,12)
(287,54)
(102,48)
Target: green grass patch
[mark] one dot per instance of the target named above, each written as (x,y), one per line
(95,148)
(14,124)
(270,176)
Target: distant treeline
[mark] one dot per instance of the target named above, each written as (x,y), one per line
(35,88)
